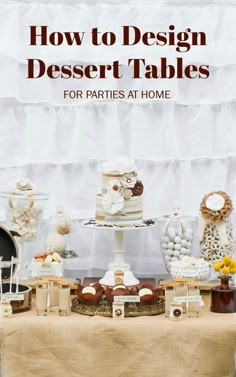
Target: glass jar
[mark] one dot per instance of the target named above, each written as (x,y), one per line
(41,297)
(64,298)
(60,222)
(223,297)
(5,309)
(215,227)
(213,245)
(176,311)
(193,307)
(53,289)
(24,212)
(176,237)
(181,290)
(59,228)
(170,288)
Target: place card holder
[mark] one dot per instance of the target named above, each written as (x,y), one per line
(176,311)
(118,310)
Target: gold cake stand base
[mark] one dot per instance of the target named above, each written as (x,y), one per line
(104,308)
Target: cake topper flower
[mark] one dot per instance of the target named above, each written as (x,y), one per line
(112,202)
(226,267)
(128,180)
(115,185)
(125,192)
(137,190)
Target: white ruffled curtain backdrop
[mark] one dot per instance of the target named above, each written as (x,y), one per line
(184,147)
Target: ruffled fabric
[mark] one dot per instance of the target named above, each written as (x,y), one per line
(184,147)
(158,131)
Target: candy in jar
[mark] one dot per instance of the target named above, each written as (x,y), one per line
(215,229)
(176,238)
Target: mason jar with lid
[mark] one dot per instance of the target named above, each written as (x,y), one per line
(53,290)
(24,207)
(181,290)
(64,298)
(41,297)
(170,292)
(193,307)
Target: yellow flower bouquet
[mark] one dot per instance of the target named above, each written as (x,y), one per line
(225,267)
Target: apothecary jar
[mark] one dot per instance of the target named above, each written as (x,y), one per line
(24,209)
(176,237)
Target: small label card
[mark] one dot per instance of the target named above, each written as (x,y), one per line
(188,299)
(118,310)
(5,264)
(13,297)
(126,299)
(46,269)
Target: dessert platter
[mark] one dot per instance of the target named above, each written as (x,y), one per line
(142,299)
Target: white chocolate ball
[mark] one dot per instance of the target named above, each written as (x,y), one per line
(177,239)
(183,250)
(170,245)
(166,239)
(183,243)
(177,246)
(169,252)
(164,246)
(176,253)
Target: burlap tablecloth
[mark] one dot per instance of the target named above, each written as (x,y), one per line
(80,346)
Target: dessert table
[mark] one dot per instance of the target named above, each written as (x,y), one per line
(95,346)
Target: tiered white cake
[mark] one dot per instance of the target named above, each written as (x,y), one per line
(120,202)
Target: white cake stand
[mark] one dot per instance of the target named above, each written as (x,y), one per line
(118,264)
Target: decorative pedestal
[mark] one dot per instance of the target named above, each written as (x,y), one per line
(118,270)
(223,298)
